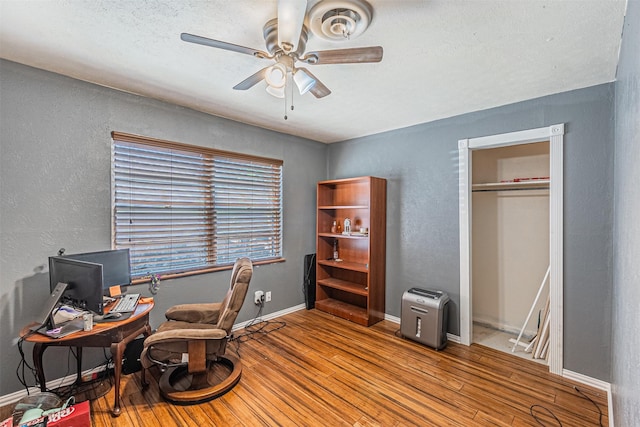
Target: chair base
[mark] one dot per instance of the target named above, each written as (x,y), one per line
(178,386)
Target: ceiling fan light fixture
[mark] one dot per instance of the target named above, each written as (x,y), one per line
(304,81)
(276,76)
(290,20)
(278,92)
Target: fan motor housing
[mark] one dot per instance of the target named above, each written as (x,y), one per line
(270,33)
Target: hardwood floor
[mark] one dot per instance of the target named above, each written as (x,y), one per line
(325,371)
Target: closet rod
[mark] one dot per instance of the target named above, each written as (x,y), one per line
(509,189)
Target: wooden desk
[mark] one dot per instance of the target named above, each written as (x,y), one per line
(115,335)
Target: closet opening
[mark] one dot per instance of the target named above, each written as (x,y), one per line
(510,249)
(511,242)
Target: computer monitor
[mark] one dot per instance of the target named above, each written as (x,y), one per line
(84,280)
(46,316)
(116,266)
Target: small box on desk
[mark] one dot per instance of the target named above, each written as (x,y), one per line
(73,416)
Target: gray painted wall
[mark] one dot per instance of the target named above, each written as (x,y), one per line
(625,354)
(55,192)
(54,187)
(421,166)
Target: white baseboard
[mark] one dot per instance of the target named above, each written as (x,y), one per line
(453,338)
(11,398)
(394,319)
(391,318)
(270,316)
(593,382)
(596,383)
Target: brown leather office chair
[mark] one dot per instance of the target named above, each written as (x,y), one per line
(200,331)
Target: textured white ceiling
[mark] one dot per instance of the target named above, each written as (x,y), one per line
(441,58)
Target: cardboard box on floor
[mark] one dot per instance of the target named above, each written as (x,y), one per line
(74,416)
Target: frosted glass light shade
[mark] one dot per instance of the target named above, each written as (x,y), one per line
(304,81)
(290,21)
(278,92)
(276,75)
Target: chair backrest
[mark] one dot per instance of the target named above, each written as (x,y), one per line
(232,303)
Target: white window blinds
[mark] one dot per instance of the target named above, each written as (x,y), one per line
(181,208)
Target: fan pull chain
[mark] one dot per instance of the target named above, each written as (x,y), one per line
(292,87)
(286,81)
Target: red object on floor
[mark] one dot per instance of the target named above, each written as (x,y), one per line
(73,416)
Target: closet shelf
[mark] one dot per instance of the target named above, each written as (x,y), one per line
(537,184)
(331,207)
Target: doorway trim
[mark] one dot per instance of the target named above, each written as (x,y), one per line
(555,135)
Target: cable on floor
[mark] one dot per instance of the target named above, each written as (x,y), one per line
(256,327)
(594,404)
(88,387)
(583,395)
(537,419)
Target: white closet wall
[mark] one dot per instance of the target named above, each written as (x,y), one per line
(510,237)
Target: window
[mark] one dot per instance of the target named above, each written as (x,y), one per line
(181,208)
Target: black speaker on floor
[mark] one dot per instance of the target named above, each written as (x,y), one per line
(310,280)
(131,360)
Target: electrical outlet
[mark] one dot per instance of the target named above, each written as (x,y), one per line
(258,297)
(267,296)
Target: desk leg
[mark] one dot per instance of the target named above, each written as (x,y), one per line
(117,349)
(79,364)
(38,349)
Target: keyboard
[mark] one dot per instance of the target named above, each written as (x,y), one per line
(127,303)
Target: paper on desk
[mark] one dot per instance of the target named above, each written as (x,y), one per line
(66,313)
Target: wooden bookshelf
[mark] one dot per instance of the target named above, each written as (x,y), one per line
(353,286)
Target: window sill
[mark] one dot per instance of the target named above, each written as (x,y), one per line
(168,276)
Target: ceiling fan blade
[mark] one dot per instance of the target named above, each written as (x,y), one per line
(319,90)
(252,80)
(290,20)
(224,45)
(344,56)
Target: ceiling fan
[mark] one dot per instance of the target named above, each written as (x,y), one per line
(286,39)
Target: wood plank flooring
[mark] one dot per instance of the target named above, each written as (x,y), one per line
(320,370)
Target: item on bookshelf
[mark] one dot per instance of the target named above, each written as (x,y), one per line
(347,227)
(335,250)
(334,227)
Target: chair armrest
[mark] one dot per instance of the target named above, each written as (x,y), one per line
(195,313)
(183,335)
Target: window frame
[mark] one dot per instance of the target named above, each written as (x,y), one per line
(204,151)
